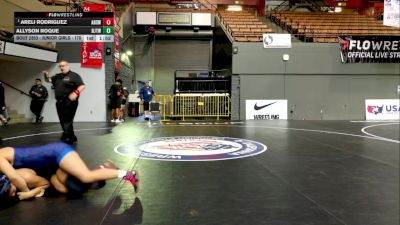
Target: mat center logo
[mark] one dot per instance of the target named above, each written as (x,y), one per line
(191,148)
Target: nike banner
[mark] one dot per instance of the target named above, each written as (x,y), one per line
(266,109)
(382,109)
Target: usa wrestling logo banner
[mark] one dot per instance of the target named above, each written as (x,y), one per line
(191,148)
(369,49)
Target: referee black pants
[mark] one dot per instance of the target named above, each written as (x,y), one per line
(66,110)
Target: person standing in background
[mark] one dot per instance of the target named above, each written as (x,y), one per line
(124,100)
(146,95)
(39,95)
(114,94)
(68,86)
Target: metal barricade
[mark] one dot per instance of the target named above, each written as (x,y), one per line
(201,105)
(192,106)
(166,104)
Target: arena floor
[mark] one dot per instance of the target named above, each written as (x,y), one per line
(312,172)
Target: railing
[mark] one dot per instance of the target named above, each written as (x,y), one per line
(224,27)
(166,106)
(213,6)
(185,106)
(315,5)
(12,87)
(282,7)
(201,105)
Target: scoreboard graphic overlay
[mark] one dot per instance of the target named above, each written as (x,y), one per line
(64,27)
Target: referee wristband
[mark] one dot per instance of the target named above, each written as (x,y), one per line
(77,92)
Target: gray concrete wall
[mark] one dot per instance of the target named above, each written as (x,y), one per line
(235,98)
(21,73)
(22,76)
(316,97)
(158,60)
(305,58)
(315,82)
(144,59)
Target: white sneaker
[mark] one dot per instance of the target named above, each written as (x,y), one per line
(118,121)
(112,121)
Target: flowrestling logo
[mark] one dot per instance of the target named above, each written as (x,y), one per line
(369,49)
(191,148)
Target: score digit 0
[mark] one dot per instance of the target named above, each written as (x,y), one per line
(108,30)
(108,22)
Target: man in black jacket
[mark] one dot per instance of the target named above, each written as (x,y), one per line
(67,87)
(39,95)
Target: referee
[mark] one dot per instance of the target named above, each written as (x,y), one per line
(67,87)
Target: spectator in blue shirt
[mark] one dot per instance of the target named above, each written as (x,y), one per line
(146,95)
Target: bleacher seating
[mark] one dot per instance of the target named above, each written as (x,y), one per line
(243,26)
(326,27)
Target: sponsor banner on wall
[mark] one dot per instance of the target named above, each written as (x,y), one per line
(391,13)
(383,49)
(382,109)
(92,54)
(277,41)
(117,62)
(266,109)
(2,44)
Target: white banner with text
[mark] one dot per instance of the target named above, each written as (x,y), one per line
(382,109)
(266,109)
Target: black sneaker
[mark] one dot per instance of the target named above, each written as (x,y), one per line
(70,140)
(63,137)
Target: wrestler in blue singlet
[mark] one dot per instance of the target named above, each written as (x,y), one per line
(44,159)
